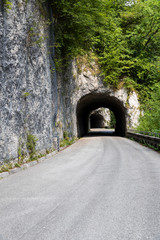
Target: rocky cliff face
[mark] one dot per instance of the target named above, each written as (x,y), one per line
(26,85)
(82,81)
(29,101)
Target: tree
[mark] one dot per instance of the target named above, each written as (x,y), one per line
(132,48)
(124,35)
(150,120)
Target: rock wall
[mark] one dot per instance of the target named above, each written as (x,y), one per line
(31,99)
(80,81)
(26,85)
(105,113)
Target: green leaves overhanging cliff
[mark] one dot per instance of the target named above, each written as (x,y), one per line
(124,35)
(125,38)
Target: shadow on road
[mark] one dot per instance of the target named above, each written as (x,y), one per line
(97,132)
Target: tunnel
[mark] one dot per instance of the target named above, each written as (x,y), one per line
(93,101)
(97,120)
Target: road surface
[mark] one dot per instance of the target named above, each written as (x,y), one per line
(100,188)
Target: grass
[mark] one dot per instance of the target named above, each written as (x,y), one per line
(67,142)
(63,143)
(7,166)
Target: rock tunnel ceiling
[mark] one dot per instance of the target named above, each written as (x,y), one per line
(93,101)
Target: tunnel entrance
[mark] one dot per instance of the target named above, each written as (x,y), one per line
(92,101)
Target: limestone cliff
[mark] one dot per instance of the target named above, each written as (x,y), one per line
(26,86)
(30,98)
(81,81)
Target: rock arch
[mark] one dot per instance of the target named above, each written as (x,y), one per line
(92,101)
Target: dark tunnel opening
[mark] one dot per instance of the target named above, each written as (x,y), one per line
(93,101)
(96,120)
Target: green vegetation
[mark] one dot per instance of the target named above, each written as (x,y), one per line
(152,147)
(150,120)
(26,94)
(123,35)
(34,38)
(144,143)
(66,141)
(6,167)
(17,165)
(7,5)
(27,147)
(22,155)
(21,152)
(31,145)
(113,120)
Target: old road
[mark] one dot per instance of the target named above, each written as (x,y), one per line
(100,188)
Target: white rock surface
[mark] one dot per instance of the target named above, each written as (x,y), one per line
(24,68)
(28,90)
(83,83)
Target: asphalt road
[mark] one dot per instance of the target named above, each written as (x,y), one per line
(100,188)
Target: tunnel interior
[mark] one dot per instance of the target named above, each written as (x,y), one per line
(96,120)
(93,101)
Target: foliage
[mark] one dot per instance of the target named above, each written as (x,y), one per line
(7,5)
(132,48)
(76,25)
(31,144)
(26,94)
(17,165)
(124,35)
(66,141)
(150,120)
(146,144)
(21,150)
(34,37)
(6,167)
(112,120)
(66,135)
